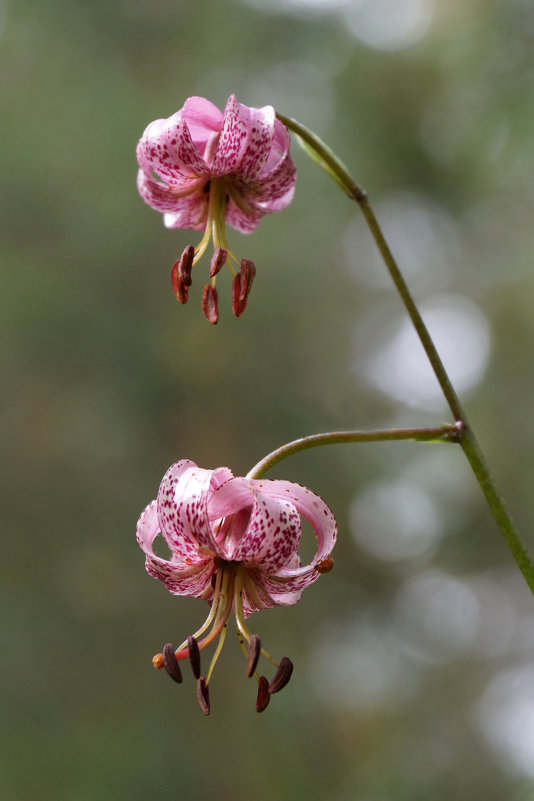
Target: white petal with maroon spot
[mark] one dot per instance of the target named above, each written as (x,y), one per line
(183,507)
(272,536)
(165,198)
(167,148)
(245,142)
(189,577)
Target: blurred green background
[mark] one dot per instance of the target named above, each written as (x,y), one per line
(414,672)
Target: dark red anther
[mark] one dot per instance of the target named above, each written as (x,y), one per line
(241,286)
(181,274)
(254,651)
(170,663)
(203,695)
(210,307)
(263,698)
(194,656)
(185,265)
(177,286)
(282,675)
(217,261)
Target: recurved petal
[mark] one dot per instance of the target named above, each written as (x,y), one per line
(243,221)
(179,577)
(167,148)
(278,185)
(279,149)
(310,506)
(246,139)
(320,517)
(268,537)
(278,591)
(183,506)
(193,215)
(203,119)
(165,198)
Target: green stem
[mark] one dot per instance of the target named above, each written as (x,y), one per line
(445,433)
(322,155)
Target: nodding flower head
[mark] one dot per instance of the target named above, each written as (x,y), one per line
(234,543)
(203,169)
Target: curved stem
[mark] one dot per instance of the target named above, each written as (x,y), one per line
(322,155)
(445,433)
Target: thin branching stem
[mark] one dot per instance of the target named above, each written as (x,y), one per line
(322,155)
(445,433)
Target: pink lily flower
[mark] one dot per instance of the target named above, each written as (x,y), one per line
(234,543)
(202,169)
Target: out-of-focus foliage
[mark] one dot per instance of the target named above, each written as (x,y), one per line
(413,658)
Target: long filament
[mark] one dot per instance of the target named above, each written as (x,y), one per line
(213,611)
(217,651)
(240,617)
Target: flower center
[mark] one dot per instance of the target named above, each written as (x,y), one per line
(243,272)
(229,581)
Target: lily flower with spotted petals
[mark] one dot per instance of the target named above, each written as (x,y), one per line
(202,169)
(234,542)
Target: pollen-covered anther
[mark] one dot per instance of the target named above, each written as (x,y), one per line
(241,286)
(157,661)
(263,697)
(254,651)
(282,675)
(203,695)
(325,565)
(217,261)
(210,308)
(194,656)
(170,663)
(181,274)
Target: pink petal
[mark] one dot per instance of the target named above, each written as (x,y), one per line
(167,148)
(277,185)
(260,590)
(165,198)
(268,536)
(244,222)
(183,506)
(246,139)
(193,216)
(203,119)
(310,506)
(279,148)
(181,578)
(272,536)
(320,517)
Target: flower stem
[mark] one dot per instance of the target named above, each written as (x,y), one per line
(445,433)
(322,155)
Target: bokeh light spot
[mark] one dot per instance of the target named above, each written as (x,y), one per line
(395,520)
